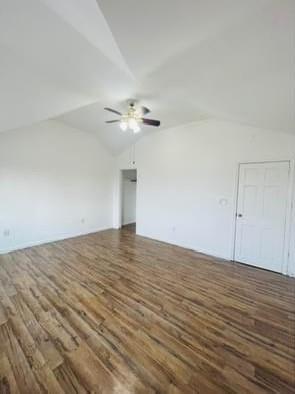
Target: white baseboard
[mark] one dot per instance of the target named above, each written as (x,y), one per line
(185,246)
(57,237)
(64,236)
(205,252)
(129,222)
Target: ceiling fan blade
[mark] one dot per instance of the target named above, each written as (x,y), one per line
(112,121)
(145,110)
(151,122)
(113,110)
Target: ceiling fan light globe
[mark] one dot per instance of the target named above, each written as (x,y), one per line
(123,125)
(136,129)
(133,124)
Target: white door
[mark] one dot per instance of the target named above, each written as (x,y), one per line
(261,214)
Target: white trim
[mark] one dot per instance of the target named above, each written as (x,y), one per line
(235,207)
(185,246)
(288,230)
(291,262)
(118,223)
(289,214)
(55,238)
(129,222)
(120,200)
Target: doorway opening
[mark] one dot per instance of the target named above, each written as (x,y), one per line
(128,211)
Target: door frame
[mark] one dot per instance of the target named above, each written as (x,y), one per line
(289,251)
(119,197)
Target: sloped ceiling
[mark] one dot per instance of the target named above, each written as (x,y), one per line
(186,60)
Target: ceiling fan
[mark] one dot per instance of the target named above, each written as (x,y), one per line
(133,117)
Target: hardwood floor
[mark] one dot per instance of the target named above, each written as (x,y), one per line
(113,312)
(130,227)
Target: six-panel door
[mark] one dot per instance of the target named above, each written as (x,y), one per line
(261,214)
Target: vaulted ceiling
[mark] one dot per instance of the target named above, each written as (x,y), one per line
(186,60)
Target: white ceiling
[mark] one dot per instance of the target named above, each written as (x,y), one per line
(186,60)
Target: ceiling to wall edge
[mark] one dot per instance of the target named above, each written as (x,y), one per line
(162,129)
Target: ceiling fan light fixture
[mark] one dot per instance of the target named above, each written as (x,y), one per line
(132,123)
(132,119)
(123,125)
(136,129)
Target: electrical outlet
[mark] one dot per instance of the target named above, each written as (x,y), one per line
(6,232)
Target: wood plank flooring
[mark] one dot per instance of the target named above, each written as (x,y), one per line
(113,312)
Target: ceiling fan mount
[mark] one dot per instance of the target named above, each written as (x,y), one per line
(133,117)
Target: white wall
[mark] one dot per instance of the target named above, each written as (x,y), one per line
(184,173)
(53,176)
(129,202)
(55,182)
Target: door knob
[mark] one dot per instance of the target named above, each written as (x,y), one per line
(240,215)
